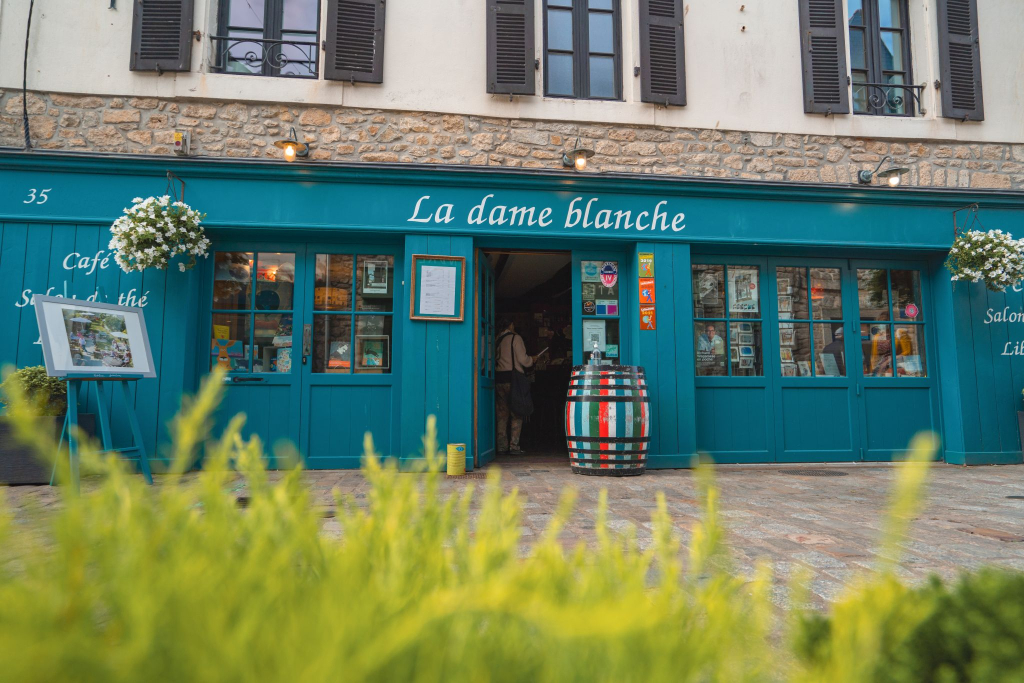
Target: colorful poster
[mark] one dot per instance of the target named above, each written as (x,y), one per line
(648,321)
(646,264)
(375,277)
(647,290)
(744,294)
(607,307)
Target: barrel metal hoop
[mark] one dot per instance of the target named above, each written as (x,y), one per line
(642,451)
(586,461)
(607,439)
(607,399)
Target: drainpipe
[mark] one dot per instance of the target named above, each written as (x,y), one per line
(24,80)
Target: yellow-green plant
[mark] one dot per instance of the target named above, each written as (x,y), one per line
(179,583)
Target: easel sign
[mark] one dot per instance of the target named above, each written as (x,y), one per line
(438,289)
(83,338)
(89,344)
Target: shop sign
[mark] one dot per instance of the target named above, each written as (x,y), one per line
(591,214)
(87,265)
(648,321)
(646,264)
(647,290)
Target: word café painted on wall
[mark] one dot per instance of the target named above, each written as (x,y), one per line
(87,265)
(580,213)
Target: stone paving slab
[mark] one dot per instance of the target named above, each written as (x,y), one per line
(828,527)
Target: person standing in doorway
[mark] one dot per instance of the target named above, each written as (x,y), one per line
(509,357)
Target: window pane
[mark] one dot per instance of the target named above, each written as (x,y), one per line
(606,334)
(873,294)
(856,12)
(792,285)
(860,92)
(559,30)
(876,348)
(272,336)
(275,281)
(710,349)
(297,60)
(745,349)
(247,13)
(560,74)
(889,14)
(906,294)
(245,56)
(560,3)
(909,346)
(826,294)
(602,77)
(333,285)
(896,100)
(232,280)
(858,57)
(795,349)
(708,291)
(744,292)
(375,288)
(601,34)
(601,4)
(892,51)
(830,352)
(300,15)
(229,347)
(373,344)
(332,343)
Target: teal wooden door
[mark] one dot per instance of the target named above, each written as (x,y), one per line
(254,300)
(896,371)
(484,422)
(348,360)
(811,327)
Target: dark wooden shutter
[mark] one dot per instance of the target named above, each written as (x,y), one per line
(355,41)
(823,54)
(662,66)
(960,60)
(510,47)
(162,35)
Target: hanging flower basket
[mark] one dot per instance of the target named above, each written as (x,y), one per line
(154,231)
(992,257)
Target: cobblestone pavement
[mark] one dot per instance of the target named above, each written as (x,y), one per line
(828,525)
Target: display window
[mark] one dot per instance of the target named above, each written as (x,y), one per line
(727,311)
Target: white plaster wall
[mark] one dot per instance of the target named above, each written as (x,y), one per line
(737,78)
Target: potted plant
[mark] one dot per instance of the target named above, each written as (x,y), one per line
(18,464)
(154,231)
(991,257)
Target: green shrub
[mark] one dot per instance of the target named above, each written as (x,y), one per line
(177,583)
(47,395)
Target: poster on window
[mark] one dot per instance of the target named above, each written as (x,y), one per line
(743,290)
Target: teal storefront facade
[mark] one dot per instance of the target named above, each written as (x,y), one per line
(791,323)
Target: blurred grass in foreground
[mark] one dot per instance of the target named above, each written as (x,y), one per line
(176,583)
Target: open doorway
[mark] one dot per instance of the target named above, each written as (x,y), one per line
(533,290)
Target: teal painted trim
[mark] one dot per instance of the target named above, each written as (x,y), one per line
(949,337)
(683,331)
(984,458)
(681,461)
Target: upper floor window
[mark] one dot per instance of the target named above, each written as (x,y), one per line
(269,37)
(582,49)
(880,58)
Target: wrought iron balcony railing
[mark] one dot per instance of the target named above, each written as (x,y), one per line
(266,57)
(887,99)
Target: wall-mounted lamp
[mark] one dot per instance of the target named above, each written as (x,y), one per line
(892,175)
(292,147)
(577,157)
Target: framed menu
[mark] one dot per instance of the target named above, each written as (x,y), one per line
(438,290)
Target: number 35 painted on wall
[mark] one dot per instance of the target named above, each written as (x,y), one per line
(34,198)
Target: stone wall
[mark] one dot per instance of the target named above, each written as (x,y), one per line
(238,129)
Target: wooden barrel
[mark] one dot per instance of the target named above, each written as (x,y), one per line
(608,420)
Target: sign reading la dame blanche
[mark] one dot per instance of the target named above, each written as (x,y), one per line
(580,213)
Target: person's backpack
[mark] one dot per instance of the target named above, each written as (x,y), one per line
(520,400)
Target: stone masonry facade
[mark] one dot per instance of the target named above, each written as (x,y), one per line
(132,125)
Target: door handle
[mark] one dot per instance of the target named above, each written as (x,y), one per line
(238,378)
(307,342)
